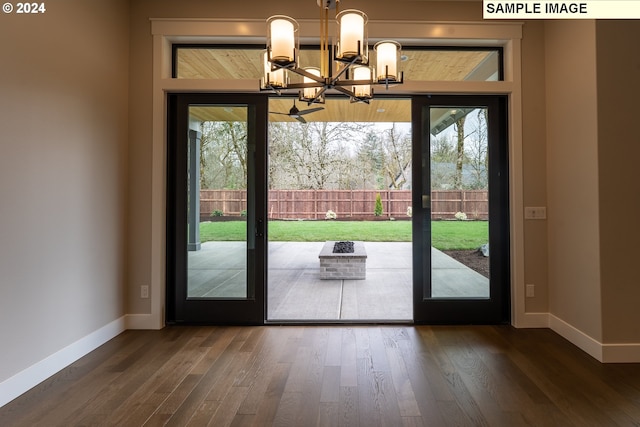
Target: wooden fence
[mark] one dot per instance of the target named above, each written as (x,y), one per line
(356,204)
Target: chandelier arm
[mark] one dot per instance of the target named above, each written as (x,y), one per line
(334,79)
(353,96)
(345,91)
(277,90)
(348,83)
(305,85)
(305,73)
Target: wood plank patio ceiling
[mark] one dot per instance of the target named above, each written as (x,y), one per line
(244,63)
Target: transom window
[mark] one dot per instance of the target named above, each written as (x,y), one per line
(418,63)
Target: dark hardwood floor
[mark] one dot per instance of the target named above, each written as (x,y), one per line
(334,376)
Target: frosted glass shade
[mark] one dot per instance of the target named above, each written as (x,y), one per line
(281,39)
(362,73)
(352,35)
(310,92)
(387,58)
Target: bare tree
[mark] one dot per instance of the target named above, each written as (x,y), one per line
(476,157)
(237,134)
(223,155)
(397,156)
(370,161)
(443,157)
(311,155)
(459,126)
(281,173)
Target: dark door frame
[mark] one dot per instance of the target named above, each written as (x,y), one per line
(253,309)
(180,308)
(496,308)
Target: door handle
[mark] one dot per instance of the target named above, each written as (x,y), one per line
(260,227)
(426,201)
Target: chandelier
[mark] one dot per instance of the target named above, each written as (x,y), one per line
(344,67)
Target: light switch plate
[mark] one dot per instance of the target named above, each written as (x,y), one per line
(530,290)
(538,212)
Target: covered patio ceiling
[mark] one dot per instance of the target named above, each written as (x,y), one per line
(337,109)
(244,63)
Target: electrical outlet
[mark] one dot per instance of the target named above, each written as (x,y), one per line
(539,212)
(144,291)
(530,290)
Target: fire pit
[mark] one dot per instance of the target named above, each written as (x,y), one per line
(343,260)
(343,248)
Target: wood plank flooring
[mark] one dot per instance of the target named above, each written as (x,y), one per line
(334,376)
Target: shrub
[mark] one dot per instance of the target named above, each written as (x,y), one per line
(243,212)
(409,211)
(217,212)
(461,216)
(330,215)
(377,211)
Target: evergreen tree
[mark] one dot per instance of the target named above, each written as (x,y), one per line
(378,209)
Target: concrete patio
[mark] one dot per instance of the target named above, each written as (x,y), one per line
(296,292)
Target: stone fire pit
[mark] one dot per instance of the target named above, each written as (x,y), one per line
(336,266)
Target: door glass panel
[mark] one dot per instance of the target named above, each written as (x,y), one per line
(217,198)
(459,202)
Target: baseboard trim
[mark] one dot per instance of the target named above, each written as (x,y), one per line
(583,341)
(532,320)
(142,321)
(605,353)
(621,353)
(40,371)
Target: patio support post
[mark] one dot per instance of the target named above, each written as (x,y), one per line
(193,213)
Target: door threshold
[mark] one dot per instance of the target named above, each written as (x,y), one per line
(321,322)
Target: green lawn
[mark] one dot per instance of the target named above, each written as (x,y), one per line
(458,235)
(446,235)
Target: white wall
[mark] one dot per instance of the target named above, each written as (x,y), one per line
(618,72)
(534,167)
(592,92)
(572,176)
(63,179)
